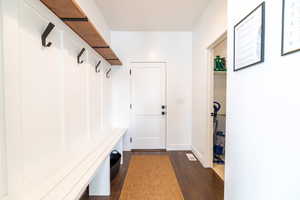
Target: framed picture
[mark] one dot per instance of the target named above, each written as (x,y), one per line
(290,27)
(249,39)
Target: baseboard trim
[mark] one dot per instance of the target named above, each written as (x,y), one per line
(200,157)
(170,147)
(148,150)
(178,147)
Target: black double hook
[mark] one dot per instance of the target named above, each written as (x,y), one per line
(97,67)
(79,55)
(108,72)
(45,34)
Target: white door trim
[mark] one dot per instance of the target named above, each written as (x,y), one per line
(140,61)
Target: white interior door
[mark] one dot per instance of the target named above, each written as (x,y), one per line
(148,88)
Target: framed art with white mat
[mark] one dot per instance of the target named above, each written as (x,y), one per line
(290,27)
(249,39)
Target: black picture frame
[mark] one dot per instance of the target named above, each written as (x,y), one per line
(283,53)
(263,23)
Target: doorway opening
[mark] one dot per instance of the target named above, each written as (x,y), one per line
(218,74)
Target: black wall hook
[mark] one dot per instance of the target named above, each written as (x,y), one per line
(107,73)
(98,66)
(45,34)
(79,55)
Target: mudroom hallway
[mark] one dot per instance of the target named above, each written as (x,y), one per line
(149,99)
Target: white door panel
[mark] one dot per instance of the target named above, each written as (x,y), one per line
(146,91)
(148,95)
(151,129)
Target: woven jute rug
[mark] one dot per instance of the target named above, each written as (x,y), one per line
(151,177)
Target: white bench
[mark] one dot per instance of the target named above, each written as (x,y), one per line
(94,171)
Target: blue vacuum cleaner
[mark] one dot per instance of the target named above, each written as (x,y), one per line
(219,137)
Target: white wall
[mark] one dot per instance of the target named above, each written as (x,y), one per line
(176,49)
(57,112)
(262,149)
(95,15)
(3,171)
(210,26)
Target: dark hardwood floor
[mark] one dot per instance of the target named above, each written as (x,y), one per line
(196,182)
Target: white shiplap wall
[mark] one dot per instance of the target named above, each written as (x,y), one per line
(57,111)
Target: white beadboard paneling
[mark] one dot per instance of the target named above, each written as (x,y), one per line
(107,103)
(41,91)
(11,40)
(95,96)
(75,96)
(48,105)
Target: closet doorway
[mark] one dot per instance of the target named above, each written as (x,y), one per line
(217,129)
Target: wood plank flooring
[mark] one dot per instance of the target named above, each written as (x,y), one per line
(196,182)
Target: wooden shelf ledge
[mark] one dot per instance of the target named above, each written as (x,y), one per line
(65,8)
(72,15)
(87,32)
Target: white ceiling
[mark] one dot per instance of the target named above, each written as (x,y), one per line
(151,15)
